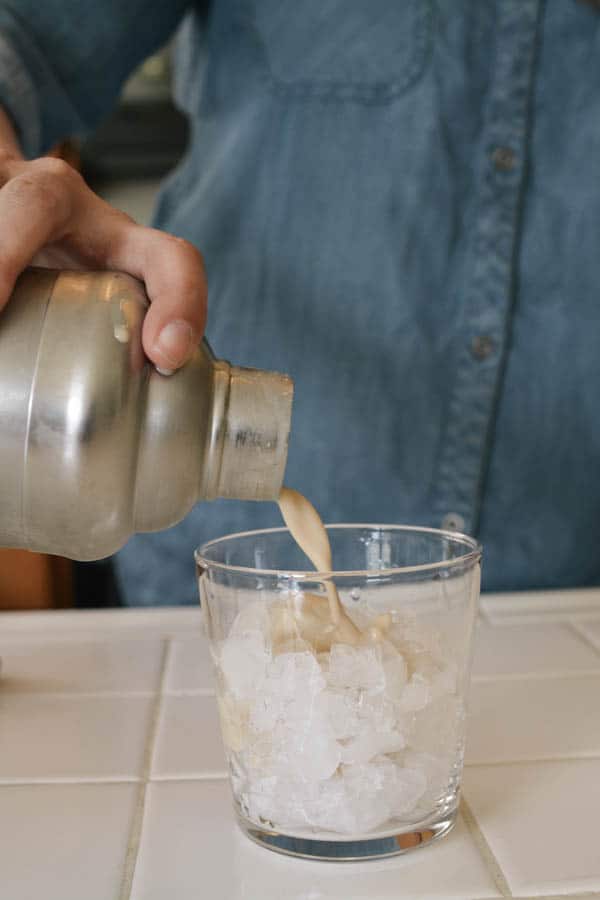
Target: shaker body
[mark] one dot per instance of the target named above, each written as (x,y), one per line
(95,445)
(70,353)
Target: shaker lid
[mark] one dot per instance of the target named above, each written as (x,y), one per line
(255,436)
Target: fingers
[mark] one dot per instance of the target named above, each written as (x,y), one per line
(45,202)
(171,269)
(35,206)
(173,272)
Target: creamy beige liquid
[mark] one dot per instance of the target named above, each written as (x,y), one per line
(307,529)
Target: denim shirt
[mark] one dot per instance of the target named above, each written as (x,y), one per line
(399,205)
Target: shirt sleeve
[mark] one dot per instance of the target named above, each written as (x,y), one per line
(63,62)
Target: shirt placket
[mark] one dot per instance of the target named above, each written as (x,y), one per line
(489,286)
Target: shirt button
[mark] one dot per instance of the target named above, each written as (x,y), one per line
(453,522)
(504,159)
(482,346)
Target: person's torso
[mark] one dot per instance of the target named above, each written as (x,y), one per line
(398,204)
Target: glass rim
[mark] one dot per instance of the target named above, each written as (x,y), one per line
(471,556)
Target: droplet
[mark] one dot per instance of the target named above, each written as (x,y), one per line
(355,594)
(121,332)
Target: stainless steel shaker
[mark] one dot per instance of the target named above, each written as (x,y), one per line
(96,445)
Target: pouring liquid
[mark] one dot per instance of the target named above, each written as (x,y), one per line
(307,529)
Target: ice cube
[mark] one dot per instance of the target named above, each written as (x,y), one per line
(233,716)
(265,711)
(370,744)
(257,799)
(288,691)
(356,667)
(282,802)
(444,681)
(376,712)
(252,617)
(438,771)
(416,695)
(342,711)
(355,800)
(303,749)
(395,670)
(313,754)
(295,736)
(436,728)
(243,661)
(296,678)
(352,802)
(403,786)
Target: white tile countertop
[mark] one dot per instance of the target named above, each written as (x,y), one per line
(113,781)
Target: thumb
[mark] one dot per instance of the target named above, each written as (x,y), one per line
(173,272)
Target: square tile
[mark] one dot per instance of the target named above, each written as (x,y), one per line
(81,666)
(190,666)
(541,823)
(45,737)
(191,846)
(526,719)
(541,606)
(188,742)
(67,840)
(530,649)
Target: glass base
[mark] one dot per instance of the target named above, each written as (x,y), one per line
(350,850)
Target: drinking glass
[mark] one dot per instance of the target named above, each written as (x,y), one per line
(343,742)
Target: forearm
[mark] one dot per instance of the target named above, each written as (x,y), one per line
(63,62)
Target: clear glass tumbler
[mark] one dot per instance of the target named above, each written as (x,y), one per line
(343,742)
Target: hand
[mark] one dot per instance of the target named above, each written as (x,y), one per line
(49,217)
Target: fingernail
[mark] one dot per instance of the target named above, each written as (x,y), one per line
(164,371)
(175,342)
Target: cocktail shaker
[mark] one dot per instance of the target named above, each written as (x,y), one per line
(95,444)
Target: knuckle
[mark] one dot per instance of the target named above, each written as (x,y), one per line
(42,191)
(188,255)
(52,167)
(187,267)
(57,178)
(25,190)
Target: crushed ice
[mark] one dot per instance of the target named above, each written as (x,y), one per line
(344,739)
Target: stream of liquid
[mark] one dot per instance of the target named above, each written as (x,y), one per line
(307,529)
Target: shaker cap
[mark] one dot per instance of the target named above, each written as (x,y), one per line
(256,429)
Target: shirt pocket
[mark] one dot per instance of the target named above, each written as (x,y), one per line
(356,50)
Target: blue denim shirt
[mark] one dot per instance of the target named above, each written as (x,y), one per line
(399,205)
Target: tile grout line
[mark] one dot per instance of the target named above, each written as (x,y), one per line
(583,636)
(485,851)
(483,614)
(588,895)
(555,674)
(190,692)
(201,776)
(562,619)
(78,695)
(108,695)
(532,760)
(69,779)
(135,833)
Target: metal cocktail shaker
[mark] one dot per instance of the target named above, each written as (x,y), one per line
(96,445)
